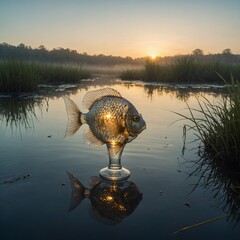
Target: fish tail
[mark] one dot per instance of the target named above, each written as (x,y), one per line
(78,191)
(74,117)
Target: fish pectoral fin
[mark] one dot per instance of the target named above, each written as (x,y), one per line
(92,96)
(90,139)
(74,116)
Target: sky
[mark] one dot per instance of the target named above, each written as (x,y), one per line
(134,28)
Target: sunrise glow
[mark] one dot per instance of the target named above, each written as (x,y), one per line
(109,27)
(153,56)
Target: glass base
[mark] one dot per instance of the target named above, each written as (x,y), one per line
(114,175)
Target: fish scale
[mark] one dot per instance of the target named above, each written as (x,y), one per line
(111,118)
(107,113)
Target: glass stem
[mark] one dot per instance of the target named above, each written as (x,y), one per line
(115,154)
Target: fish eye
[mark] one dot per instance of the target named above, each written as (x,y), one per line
(136,118)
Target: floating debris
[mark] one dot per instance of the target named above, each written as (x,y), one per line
(199,224)
(187,204)
(15,179)
(162,194)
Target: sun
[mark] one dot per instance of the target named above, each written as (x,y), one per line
(153,56)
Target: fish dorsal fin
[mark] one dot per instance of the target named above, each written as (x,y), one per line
(89,138)
(92,96)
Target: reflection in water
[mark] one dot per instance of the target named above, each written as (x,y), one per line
(183,92)
(112,120)
(223,182)
(111,201)
(19,113)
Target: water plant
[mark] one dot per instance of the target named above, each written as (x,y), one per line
(217,126)
(17,76)
(55,74)
(21,76)
(185,69)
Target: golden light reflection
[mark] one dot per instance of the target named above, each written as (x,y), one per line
(108,116)
(109,198)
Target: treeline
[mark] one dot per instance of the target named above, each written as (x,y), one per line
(226,56)
(58,55)
(62,55)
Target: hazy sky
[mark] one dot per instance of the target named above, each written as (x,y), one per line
(123,27)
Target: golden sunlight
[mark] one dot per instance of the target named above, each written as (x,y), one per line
(153,56)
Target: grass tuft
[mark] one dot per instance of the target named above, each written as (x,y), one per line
(218,126)
(183,70)
(20,76)
(16,76)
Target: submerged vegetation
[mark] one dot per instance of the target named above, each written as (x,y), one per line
(185,69)
(218,127)
(21,76)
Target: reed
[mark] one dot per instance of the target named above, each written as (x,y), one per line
(20,76)
(57,74)
(132,75)
(16,76)
(218,126)
(184,70)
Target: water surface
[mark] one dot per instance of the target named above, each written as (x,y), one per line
(35,191)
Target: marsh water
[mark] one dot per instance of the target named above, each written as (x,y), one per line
(35,191)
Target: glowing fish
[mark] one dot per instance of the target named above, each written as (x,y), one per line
(111,118)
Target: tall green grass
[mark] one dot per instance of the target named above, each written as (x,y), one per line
(183,70)
(20,76)
(56,74)
(16,76)
(217,126)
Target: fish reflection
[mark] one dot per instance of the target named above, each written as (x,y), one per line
(111,201)
(111,119)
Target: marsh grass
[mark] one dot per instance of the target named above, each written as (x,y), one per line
(16,76)
(218,126)
(183,70)
(57,74)
(20,76)
(132,74)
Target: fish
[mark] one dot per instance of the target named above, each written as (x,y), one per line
(111,118)
(110,201)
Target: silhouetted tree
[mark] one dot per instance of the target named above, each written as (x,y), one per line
(227,51)
(198,52)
